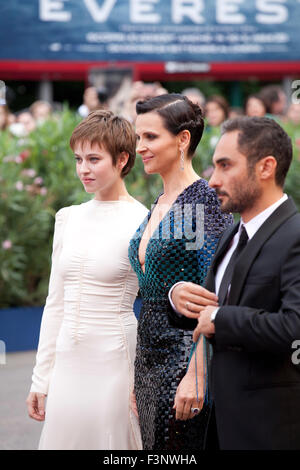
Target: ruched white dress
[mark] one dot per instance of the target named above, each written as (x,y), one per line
(88,332)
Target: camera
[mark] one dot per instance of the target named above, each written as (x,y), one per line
(102,94)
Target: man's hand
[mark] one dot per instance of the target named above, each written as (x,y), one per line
(190,299)
(205,325)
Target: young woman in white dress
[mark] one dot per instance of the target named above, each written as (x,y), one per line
(84,363)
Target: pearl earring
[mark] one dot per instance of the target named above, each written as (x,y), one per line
(181,159)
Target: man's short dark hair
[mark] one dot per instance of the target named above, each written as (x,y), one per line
(259,137)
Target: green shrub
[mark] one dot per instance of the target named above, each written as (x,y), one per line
(37,177)
(25,231)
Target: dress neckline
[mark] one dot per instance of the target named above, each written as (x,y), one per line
(106,203)
(157,228)
(179,195)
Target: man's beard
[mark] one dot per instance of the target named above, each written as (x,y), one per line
(243,198)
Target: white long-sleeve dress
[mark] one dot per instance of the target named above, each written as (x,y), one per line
(88,332)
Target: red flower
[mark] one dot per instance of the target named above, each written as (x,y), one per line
(24,155)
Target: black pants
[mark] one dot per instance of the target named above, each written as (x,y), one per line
(212,440)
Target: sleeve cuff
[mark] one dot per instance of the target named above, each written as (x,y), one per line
(170,298)
(214,314)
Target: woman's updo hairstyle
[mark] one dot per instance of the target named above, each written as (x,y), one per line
(178,114)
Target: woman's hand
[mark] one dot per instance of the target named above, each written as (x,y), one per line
(133,404)
(190,299)
(186,397)
(36,405)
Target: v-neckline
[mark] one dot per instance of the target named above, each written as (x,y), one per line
(158,225)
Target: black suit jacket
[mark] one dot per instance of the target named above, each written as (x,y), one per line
(255,384)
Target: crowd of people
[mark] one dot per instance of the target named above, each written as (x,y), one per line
(27,120)
(270,101)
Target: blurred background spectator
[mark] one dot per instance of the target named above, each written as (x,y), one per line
(195,95)
(139,91)
(40,111)
(275,100)
(24,124)
(91,102)
(255,106)
(216,110)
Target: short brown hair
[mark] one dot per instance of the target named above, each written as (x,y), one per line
(113,132)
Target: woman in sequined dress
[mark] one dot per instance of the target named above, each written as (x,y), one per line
(175,242)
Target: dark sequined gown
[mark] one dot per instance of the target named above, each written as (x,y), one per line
(162,349)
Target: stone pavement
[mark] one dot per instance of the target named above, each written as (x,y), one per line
(17,430)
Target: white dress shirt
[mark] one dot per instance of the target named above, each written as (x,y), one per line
(251,228)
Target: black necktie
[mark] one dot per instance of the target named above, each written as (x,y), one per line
(226,280)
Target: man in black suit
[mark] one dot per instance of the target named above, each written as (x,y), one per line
(256,275)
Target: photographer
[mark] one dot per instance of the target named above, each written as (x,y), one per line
(93,99)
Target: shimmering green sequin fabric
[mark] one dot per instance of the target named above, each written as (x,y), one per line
(162,349)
